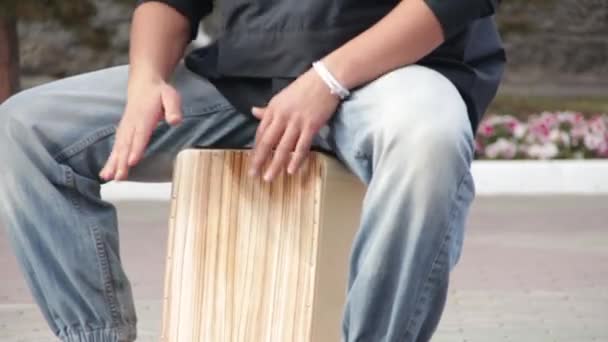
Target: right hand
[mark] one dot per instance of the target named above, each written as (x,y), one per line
(147,104)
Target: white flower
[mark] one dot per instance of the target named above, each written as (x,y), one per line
(501,148)
(559,137)
(520,130)
(544,151)
(565,138)
(569,117)
(578,155)
(554,135)
(593,141)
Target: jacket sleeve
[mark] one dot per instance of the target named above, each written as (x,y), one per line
(454,15)
(194,10)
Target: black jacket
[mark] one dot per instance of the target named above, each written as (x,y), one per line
(264,44)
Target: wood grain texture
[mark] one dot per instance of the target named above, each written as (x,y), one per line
(254,261)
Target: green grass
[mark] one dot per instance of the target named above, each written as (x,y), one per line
(523,106)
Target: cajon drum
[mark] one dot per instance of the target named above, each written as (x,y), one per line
(251,261)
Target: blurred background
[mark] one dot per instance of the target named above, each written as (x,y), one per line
(556,48)
(535,261)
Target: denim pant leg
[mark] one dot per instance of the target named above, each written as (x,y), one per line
(408,137)
(54,139)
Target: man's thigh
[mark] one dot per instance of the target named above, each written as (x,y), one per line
(75,120)
(413,111)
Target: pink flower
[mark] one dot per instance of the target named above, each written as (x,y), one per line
(602,150)
(597,125)
(549,119)
(579,131)
(486,130)
(512,125)
(478,147)
(539,130)
(543,136)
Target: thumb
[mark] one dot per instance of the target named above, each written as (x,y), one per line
(172,105)
(258,112)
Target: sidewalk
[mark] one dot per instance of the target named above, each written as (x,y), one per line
(533,269)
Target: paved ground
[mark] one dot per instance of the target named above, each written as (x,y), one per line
(533,269)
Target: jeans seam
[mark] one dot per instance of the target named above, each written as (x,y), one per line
(102,259)
(105,131)
(71,334)
(361,155)
(83,143)
(211,109)
(427,282)
(100,252)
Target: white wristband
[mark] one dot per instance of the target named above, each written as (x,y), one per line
(334,86)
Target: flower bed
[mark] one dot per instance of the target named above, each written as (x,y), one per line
(548,135)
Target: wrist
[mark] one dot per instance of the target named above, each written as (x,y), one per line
(334,85)
(139,78)
(338,69)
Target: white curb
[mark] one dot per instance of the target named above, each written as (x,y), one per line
(521,177)
(116,191)
(530,177)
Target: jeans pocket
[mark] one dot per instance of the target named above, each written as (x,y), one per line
(85,142)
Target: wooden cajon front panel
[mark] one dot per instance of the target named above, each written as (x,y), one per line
(254,261)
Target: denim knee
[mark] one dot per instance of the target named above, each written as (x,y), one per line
(423,146)
(10,137)
(13,117)
(25,146)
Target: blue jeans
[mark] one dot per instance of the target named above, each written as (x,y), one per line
(405,134)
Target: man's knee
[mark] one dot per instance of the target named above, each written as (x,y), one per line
(18,120)
(12,142)
(427,127)
(8,111)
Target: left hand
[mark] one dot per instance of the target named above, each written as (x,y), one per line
(289,123)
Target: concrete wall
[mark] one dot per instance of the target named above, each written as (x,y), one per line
(49,52)
(556,45)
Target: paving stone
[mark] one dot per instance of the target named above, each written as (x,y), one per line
(533,269)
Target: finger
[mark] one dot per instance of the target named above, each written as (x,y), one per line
(172,105)
(141,137)
(266,121)
(301,151)
(283,152)
(262,127)
(258,112)
(107,172)
(123,148)
(263,147)
(109,169)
